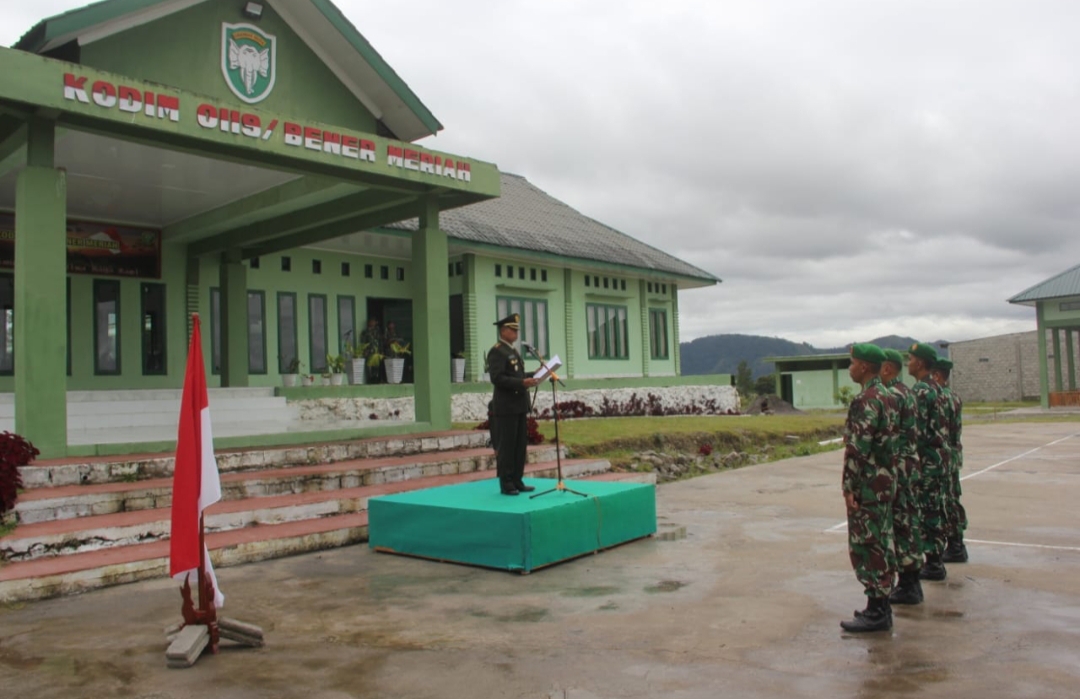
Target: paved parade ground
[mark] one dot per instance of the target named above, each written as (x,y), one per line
(747,604)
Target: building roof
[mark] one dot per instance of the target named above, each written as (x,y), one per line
(1065,284)
(319,23)
(527,218)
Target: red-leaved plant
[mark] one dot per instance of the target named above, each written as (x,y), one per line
(15,451)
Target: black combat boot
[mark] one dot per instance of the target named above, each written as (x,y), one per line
(934,568)
(909,590)
(876,617)
(955,552)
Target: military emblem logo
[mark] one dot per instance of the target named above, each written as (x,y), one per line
(248,61)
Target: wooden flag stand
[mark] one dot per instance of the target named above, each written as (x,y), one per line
(201,627)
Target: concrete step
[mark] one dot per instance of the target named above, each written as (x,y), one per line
(137,419)
(81,534)
(79,572)
(47,504)
(172,407)
(139,467)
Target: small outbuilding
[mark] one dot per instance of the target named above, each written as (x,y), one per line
(1057,310)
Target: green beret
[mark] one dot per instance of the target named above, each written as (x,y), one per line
(868,352)
(895,357)
(943,364)
(923,351)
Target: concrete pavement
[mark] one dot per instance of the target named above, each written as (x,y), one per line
(747,605)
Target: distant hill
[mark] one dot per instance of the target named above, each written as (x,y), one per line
(721,354)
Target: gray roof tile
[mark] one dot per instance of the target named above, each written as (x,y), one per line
(527,218)
(1065,284)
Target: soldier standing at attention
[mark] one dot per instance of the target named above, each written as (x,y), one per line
(955,515)
(932,438)
(906,524)
(509,408)
(869,487)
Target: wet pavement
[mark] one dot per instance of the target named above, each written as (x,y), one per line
(747,605)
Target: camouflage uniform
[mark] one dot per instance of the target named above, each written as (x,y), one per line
(933,438)
(870,458)
(955,515)
(906,520)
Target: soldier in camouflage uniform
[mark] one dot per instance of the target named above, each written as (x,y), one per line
(956,516)
(906,521)
(933,438)
(869,487)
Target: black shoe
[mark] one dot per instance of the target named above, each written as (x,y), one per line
(955,552)
(933,569)
(509,490)
(524,488)
(876,617)
(909,591)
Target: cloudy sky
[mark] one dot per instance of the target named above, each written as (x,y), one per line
(848,168)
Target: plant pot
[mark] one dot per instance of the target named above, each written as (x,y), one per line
(457,370)
(324,380)
(395,367)
(307,380)
(290,380)
(355,369)
(337,379)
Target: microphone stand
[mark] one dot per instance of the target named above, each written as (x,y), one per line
(553,378)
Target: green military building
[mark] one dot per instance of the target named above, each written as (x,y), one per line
(1057,313)
(254,162)
(813,381)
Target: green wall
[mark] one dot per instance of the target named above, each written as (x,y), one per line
(184,50)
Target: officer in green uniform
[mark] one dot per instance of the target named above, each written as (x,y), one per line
(955,515)
(869,487)
(509,408)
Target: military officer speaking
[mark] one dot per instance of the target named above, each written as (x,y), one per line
(509,407)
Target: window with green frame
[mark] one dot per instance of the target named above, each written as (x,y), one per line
(608,331)
(288,343)
(658,333)
(317,331)
(534,316)
(256,332)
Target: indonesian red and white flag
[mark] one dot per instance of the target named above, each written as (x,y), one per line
(196,483)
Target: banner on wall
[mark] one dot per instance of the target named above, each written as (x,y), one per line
(98,248)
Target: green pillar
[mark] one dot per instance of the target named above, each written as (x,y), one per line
(646,338)
(431,320)
(234,321)
(1059,385)
(835,384)
(675,328)
(568,318)
(1044,376)
(40,294)
(1069,354)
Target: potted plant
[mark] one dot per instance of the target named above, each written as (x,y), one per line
(395,360)
(354,361)
(291,376)
(336,365)
(307,379)
(374,361)
(457,367)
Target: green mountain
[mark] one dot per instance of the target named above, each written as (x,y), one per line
(721,354)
